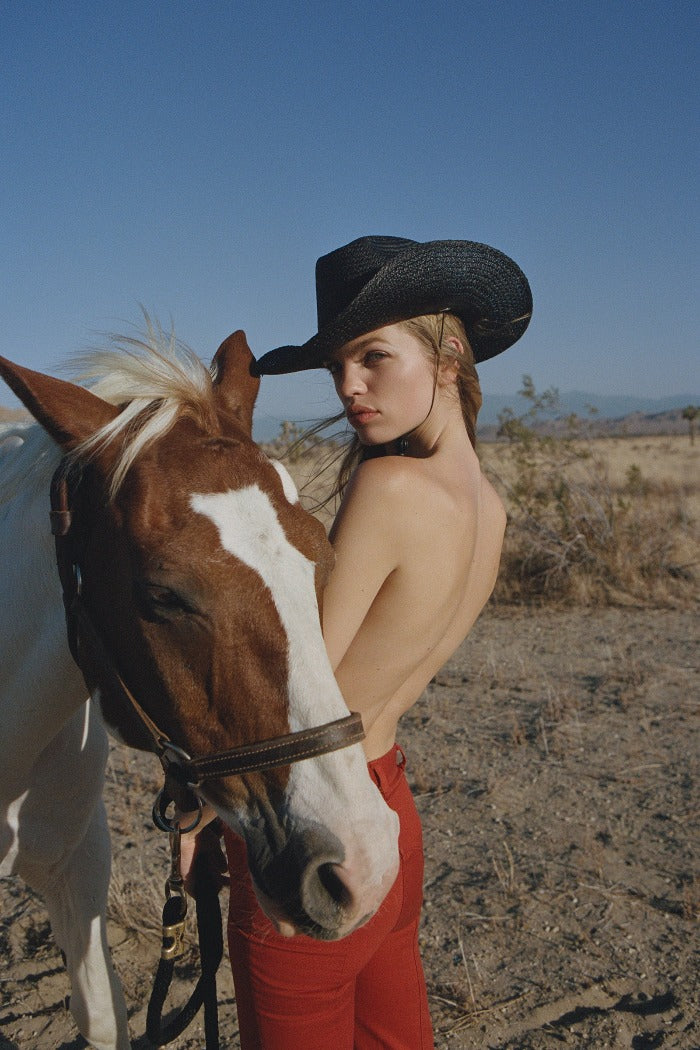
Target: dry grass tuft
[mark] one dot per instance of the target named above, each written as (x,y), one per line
(580,533)
(135,902)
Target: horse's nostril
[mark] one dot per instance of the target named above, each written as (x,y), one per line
(325,897)
(334,885)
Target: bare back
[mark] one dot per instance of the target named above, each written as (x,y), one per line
(417,544)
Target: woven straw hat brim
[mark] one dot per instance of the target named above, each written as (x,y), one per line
(481,285)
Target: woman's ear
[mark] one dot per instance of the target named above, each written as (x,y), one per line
(449,363)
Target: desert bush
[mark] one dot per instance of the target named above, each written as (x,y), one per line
(312,454)
(690,414)
(135,901)
(572,534)
(297,443)
(290,443)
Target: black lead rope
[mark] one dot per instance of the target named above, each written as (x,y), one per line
(211,947)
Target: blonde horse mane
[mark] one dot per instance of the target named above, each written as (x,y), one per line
(152,376)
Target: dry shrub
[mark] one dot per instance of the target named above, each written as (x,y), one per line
(313,457)
(291,444)
(135,901)
(573,534)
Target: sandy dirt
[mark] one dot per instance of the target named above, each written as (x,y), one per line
(554,760)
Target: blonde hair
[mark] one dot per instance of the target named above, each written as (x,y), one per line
(433,332)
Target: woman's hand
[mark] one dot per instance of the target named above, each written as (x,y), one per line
(204,840)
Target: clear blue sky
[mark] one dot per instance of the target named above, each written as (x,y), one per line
(197,157)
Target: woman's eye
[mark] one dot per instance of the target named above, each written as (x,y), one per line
(373,356)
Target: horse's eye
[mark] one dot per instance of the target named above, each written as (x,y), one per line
(157,602)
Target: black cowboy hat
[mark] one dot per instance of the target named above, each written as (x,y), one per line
(376,281)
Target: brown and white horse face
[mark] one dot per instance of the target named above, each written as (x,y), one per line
(217,574)
(202,577)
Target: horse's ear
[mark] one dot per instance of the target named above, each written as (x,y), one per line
(68,412)
(234,382)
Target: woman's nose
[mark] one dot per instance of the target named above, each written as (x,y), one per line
(349,382)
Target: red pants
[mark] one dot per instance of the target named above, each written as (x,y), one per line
(364,992)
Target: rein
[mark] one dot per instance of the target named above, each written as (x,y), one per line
(183,774)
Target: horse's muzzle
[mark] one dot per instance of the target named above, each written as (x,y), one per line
(309,886)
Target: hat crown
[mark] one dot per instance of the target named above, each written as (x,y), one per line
(377,281)
(342,274)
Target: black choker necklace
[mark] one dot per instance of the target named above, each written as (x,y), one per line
(392,448)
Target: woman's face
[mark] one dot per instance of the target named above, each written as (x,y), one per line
(385,381)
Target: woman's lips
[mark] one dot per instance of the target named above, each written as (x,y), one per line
(360,416)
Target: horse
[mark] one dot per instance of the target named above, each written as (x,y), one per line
(202,576)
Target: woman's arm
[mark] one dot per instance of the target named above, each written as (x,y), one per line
(365,540)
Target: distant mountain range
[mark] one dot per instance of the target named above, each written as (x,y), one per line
(612,414)
(623,414)
(606,406)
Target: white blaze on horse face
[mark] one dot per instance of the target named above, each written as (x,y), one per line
(290,489)
(249,529)
(333,790)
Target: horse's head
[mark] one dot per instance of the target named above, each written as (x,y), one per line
(202,575)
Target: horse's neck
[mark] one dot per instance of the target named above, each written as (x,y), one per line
(40,686)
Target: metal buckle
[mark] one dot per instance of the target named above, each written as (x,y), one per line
(173,945)
(165,823)
(170,754)
(173,933)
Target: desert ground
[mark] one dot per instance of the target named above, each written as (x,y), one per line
(554,761)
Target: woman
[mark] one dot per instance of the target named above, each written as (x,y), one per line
(417,541)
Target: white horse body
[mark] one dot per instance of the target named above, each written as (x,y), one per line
(53,829)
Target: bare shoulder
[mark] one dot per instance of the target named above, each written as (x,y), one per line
(396,488)
(398,480)
(380,492)
(385,473)
(403,503)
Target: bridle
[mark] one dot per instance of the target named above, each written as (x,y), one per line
(183,774)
